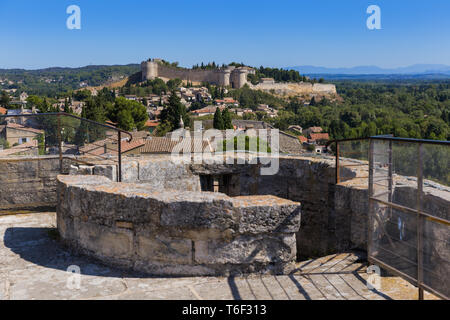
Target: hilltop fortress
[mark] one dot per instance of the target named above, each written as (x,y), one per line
(234,77)
(229,76)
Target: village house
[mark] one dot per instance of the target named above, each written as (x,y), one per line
(209,110)
(318,138)
(17,134)
(226,101)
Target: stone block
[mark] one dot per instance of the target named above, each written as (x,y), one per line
(208,211)
(109,171)
(117,244)
(165,249)
(130,171)
(247,249)
(85,170)
(274,217)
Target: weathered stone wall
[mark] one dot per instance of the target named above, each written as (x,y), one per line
(172,232)
(29,181)
(293,89)
(225,77)
(334,217)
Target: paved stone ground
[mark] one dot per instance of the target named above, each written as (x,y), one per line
(33,266)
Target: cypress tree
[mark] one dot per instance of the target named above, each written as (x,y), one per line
(218,120)
(226,118)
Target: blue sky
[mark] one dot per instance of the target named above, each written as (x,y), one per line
(279,33)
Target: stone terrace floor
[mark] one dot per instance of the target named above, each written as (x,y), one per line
(33,266)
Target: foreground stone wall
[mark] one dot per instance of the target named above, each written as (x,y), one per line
(334,218)
(29,181)
(170,232)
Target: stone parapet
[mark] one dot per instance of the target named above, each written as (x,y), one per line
(174,232)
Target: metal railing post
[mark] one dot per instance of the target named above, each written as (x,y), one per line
(119,144)
(58,117)
(337,163)
(371,204)
(419,220)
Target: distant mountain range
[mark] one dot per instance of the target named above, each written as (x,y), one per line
(425,69)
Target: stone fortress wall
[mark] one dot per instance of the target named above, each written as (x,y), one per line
(294,89)
(230,76)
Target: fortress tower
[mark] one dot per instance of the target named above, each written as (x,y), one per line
(149,70)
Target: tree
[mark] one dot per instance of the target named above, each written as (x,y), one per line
(218,120)
(226,118)
(82,95)
(173,84)
(67,109)
(4,99)
(134,113)
(173,112)
(125,120)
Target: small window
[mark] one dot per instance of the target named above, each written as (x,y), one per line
(23,140)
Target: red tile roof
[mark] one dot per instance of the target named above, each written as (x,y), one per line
(151,123)
(127,146)
(166,145)
(97,148)
(303,139)
(319,136)
(3,110)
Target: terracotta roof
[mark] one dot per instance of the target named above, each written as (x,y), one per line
(97,148)
(151,123)
(319,136)
(166,145)
(3,110)
(303,139)
(23,128)
(209,109)
(135,143)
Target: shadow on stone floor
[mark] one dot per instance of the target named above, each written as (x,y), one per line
(37,245)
